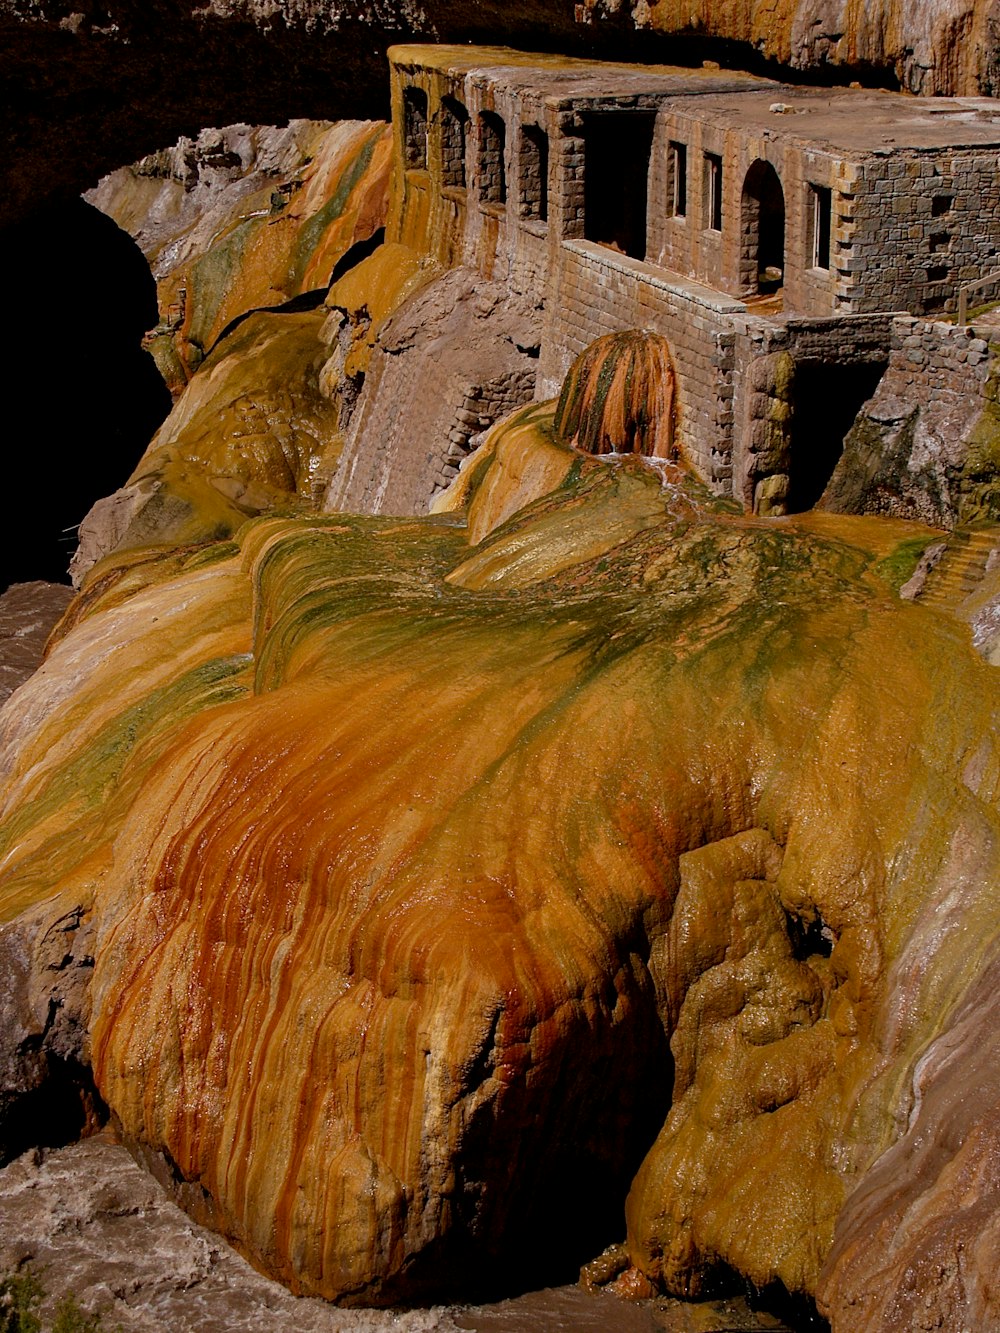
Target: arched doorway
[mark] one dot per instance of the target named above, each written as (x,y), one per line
(762,220)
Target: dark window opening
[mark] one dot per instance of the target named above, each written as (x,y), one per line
(826,399)
(941,204)
(762,220)
(534,173)
(415,128)
(938,273)
(677,183)
(492,144)
(821,214)
(617,149)
(454,129)
(940,241)
(713,191)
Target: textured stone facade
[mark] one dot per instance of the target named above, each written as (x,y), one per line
(740,218)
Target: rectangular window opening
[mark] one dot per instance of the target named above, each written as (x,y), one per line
(822,213)
(678,185)
(617,151)
(713,192)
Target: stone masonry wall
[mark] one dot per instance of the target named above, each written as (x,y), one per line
(769,443)
(595,290)
(458,355)
(927,445)
(941,210)
(686,244)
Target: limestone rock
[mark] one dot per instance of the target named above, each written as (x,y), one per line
(252,431)
(408,860)
(245,217)
(618,397)
(103,1231)
(937,46)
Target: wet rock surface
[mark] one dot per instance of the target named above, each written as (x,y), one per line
(28,611)
(101,1229)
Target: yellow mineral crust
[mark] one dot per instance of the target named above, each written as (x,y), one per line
(640,847)
(263,255)
(936,46)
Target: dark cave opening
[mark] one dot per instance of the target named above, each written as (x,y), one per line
(827,397)
(60,1110)
(90,397)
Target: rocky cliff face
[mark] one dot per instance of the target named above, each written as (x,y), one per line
(442,894)
(91,87)
(939,46)
(243,218)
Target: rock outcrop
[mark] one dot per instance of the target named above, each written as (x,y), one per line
(99,1228)
(28,611)
(406,859)
(938,46)
(246,217)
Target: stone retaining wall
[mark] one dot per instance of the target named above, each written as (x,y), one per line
(595,291)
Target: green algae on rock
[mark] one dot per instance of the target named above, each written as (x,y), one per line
(243,218)
(392,932)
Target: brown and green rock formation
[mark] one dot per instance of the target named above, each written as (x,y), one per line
(244,218)
(444,894)
(937,46)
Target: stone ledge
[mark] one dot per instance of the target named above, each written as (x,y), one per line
(669,283)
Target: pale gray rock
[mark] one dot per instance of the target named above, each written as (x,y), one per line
(101,1229)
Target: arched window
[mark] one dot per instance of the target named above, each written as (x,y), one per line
(454,127)
(534,173)
(415,128)
(762,221)
(492,175)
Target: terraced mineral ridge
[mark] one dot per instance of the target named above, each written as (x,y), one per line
(441,893)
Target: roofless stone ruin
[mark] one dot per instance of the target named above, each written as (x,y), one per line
(516,789)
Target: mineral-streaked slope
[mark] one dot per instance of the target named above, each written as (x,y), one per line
(243,218)
(936,46)
(406,858)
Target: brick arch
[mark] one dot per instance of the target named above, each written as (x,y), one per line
(762,230)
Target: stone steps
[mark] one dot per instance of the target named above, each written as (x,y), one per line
(961,569)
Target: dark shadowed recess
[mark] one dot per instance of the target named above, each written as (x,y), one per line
(83,397)
(827,399)
(90,85)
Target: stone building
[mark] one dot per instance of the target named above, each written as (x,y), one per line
(773,234)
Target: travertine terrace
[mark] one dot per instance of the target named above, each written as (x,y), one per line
(607,857)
